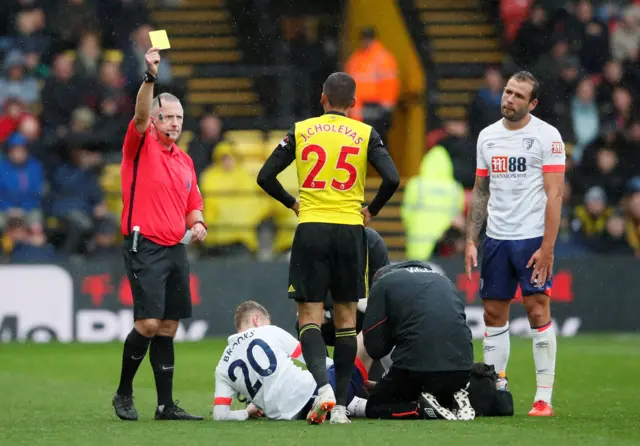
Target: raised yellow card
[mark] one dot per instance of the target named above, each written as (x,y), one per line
(159,39)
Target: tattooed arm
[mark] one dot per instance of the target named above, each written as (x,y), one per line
(475,219)
(477,208)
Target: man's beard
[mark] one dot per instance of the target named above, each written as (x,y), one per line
(515,116)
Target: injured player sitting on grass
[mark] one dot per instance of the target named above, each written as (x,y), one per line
(258,366)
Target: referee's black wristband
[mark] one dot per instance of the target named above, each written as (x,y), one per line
(148,78)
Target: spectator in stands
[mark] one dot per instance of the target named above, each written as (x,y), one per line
(532,39)
(33,64)
(461,147)
(70,18)
(62,94)
(432,201)
(202,146)
(77,198)
(590,219)
(607,173)
(513,13)
(375,71)
(558,93)
(626,37)
(104,243)
(88,56)
(234,205)
(14,113)
(16,83)
(112,122)
(614,240)
(485,106)
(633,216)
(133,65)
(566,243)
(622,107)
(30,24)
(25,246)
(118,20)
(629,147)
(21,184)
(549,64)
(590,37)
(611,79)
(585,118)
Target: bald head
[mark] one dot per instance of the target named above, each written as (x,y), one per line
(164,98)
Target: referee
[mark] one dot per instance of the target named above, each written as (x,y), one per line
(161,200)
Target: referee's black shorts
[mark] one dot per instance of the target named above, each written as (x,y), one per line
(328,257)
(159,278)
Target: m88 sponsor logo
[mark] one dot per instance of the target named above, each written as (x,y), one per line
(509,166)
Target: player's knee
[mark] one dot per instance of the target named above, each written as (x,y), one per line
(495,315)
(538,311)
(344,315)
(147,327)
(167,328)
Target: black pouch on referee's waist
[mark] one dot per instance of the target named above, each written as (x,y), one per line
(485,399)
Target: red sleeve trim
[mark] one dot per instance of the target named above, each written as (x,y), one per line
(554,168)
(221,401)
(297,352)
(482,172)
(362,369)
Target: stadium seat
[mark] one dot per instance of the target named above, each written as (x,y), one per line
(285,220)
(234,205)
(244,136)
(110,182)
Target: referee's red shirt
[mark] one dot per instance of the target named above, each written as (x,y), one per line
(159,188)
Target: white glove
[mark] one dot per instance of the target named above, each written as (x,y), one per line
(362,305)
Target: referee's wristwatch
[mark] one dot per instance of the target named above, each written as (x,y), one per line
(148,78)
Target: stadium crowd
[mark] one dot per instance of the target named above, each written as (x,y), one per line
(69,70)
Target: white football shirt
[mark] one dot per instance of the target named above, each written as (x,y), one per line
(515,160)
(257,364)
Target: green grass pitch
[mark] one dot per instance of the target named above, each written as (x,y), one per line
(56,394)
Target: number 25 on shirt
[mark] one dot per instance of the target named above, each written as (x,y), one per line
(319,167)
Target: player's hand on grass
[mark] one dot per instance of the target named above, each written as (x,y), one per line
(253,411)
(542,262)
(470,257)
(152,59)
(296,207)
(198,232)
(367,215)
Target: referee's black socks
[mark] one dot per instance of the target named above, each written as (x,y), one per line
(162,361)
(314,351)
(135,348)
(344,356)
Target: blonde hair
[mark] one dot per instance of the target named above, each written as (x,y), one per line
(245,309)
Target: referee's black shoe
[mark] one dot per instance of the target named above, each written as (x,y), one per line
(125,409)
(174,412)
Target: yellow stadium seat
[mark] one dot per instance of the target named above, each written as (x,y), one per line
(252,166)
(234,206)
(185,140)
(250,150)
(284,219)
(110,182)
(273,139)
(248,136)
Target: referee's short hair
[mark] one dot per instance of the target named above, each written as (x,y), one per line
(163,98)
(340,89)
(245,309)
(525,76)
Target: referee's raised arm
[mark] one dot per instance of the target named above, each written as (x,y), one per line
(161,199)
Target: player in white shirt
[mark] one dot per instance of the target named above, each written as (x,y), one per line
(257,364)
(519,185)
